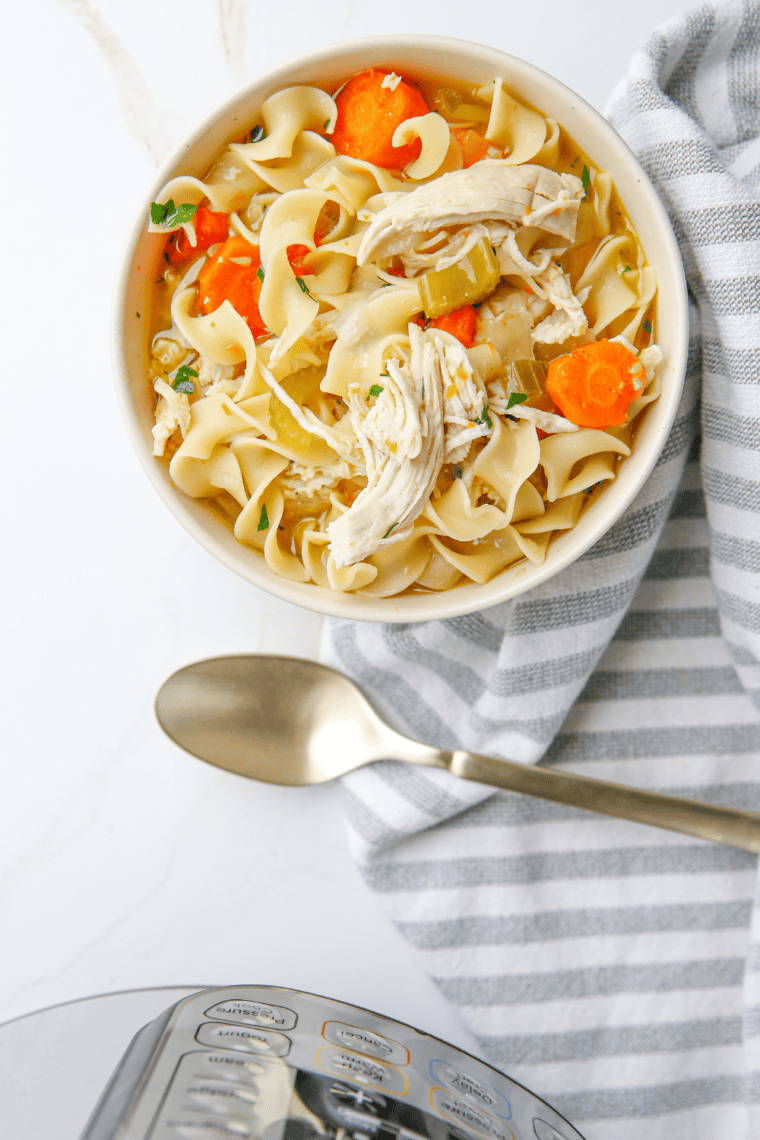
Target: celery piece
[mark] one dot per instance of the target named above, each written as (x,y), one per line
(468,281)
(529,375)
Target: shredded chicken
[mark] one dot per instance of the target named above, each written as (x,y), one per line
(465,413)
(172,412)
(568,318)
(490,190)
(402,440)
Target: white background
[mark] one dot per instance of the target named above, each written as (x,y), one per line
(125,863)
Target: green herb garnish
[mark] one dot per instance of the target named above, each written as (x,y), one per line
(586,180)
(390,528)
(458,473)
(484,418)
(263,519)
(182,381)
(327,125)
(516,398)
(376,389)
(257,134)
(302,285)
(647,326)
(260,273)
(627,269)
(169,215)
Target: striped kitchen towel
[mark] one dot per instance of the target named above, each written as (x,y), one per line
(611,967)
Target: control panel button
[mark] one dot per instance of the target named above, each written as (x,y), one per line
(243,1038)
(546,1131)
(473,1091)
(363,1070)
(221,1096)
(254,1013)
(468,1117)
(365,1041)
(208,1129)
(223,1067)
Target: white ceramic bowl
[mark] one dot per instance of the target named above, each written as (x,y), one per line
(420,56)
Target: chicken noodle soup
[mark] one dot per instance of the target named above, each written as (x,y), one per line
(403,334)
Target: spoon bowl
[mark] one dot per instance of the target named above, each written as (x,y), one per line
(290,721)
(281,720)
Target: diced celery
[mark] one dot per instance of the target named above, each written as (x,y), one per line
(468,281)
(530,376)
(310,449)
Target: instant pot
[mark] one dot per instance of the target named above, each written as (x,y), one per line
(277,1064)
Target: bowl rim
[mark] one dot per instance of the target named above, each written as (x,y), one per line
(195,516)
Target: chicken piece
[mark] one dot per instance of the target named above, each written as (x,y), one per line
(568,318)
(401,437)
(465,410)
(172,412)
(490,190)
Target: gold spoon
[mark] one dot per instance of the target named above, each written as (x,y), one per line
(285,720)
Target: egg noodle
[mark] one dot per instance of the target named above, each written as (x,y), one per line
(378,413)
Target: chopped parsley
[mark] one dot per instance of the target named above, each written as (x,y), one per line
(627,269)
(586,180)
(484,418)
(458,473)
(182,381)
(376,389)
(257,134)
(260,273)
(302,285)
(263,519)
(390,528)
(327,125)
(169,215)
(647,326)
(516,398)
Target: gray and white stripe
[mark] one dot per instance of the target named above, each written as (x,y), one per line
(611,967)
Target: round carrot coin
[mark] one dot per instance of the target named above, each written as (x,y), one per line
(594,385)
(370,107)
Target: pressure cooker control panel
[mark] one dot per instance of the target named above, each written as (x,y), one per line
(277,1064)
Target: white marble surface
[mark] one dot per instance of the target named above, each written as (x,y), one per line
(124,862)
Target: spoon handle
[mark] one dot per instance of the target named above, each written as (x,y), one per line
(707,821)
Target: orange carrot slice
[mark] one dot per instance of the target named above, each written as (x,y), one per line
(461,324)
(211,226)
(296,255)
(232,275)
(368,115)
(472,145)
(594,385)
